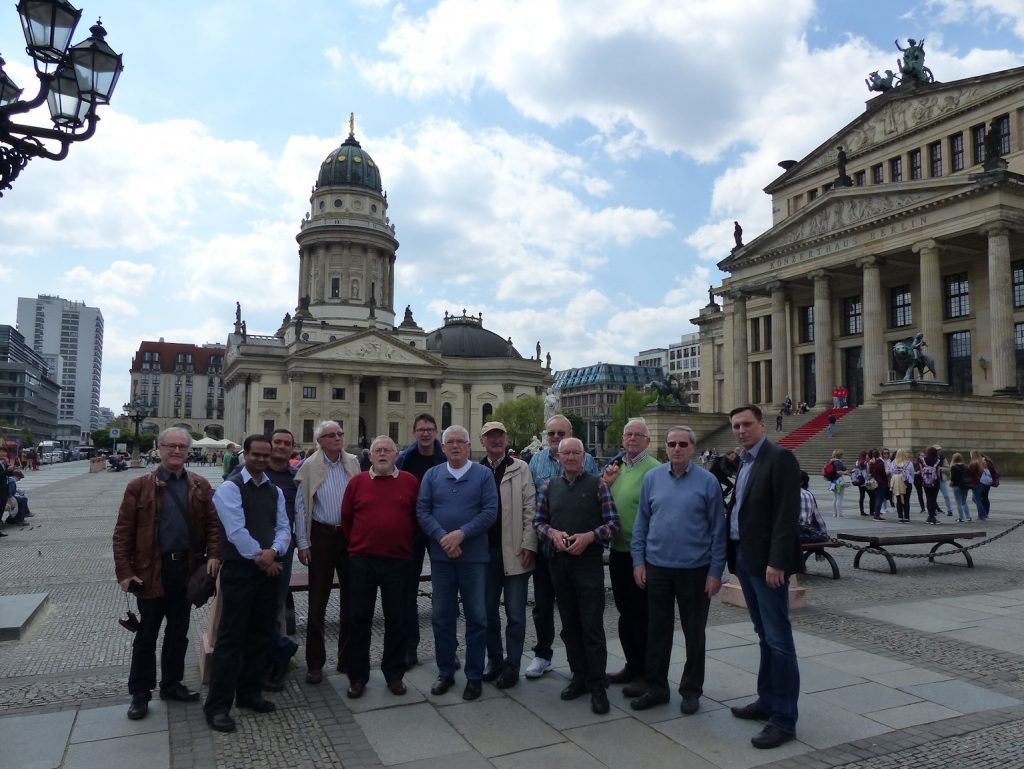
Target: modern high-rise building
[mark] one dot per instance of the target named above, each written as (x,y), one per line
(69,336)
(28,394)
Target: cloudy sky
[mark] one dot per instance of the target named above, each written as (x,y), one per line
(570,169)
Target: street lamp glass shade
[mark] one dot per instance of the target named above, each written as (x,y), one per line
(97,67)
(48,26)
(9,91)
(67,107)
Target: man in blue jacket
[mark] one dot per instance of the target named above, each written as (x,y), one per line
(456,506)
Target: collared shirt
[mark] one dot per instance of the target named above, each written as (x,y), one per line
(393,474)
(174,518)
(228,501)
(610,514)
(748,457)
(544,466)
(635,461)
(326,501)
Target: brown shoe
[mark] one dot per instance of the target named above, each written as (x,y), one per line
(624,676)
(397,687)
(314,676)
(356,689)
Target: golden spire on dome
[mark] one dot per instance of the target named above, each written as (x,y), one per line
(351,125)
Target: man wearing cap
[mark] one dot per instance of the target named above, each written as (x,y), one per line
(513,545)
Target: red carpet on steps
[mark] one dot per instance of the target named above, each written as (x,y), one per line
(809,429)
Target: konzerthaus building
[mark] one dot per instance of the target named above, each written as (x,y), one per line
(919,234)
(341,356)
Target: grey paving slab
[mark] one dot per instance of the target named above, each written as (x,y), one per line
(867,697)
(715,639)
(746,657)
(140,751)
(961,696)
(111,721)
(993,638)
(924,616)
(808,645)
(540,697)
(377,695)
(566,755)
(860,663)
(628,744)
(908,677)
(35,741)
(824,724)
(399,735)
(817,678)
(994,604)
(469,760)
(912,715)
(741,629)
(421,678)
(499,726)
(18,611)
(724,741)
(725,682)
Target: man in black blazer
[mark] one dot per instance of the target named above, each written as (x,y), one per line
(764,549)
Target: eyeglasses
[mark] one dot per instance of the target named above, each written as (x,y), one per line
(426,430)
(174,446)
(557,433)
(677,444)
(635,435)
(455,442)
(332,435)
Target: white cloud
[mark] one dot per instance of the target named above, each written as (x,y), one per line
(1000,13)
(116,290)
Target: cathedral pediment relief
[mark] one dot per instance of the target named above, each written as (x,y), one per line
(370,348)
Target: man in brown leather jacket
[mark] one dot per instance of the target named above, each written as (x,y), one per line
(165,526)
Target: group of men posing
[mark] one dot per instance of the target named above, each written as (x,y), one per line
(489,527)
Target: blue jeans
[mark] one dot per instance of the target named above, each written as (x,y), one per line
(963,511)
(451,580)
(778,677)
(877,500)
(514,587)
(282,648)
(981,500)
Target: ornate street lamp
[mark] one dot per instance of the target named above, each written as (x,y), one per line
(73,81)
(137,413)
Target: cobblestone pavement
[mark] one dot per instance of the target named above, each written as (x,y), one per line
(75,656)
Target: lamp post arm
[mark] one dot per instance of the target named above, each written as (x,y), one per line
(18,107)
(26,138)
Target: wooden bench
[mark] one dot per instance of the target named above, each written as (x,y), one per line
(820,552)
(877,544)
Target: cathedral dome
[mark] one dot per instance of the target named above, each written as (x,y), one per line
(464,336)
(351,166)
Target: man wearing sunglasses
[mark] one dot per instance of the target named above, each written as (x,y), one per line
(544,466)
(678,548)
(165,525)
(322,480)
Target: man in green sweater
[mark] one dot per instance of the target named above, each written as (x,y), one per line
(625,476)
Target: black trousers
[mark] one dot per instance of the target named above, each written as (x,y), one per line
(248,613)
(579,590)
(631,603)
(667,588)
(412,596)
(175,608)
(367,575)
(543,613)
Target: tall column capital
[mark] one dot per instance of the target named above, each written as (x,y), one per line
(870,261)
(995,230)
(926,245)
(819,276)
(356,379)
(776,286)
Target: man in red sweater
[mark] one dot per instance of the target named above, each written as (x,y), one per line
(378,517)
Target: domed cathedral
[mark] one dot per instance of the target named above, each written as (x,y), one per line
(340,355)
(894,269)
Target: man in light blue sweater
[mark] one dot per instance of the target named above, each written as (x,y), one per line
(678,549)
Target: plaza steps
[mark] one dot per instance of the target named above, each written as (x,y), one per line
(796,438)
(858,430)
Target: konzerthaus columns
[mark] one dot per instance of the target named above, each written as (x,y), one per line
(923,236)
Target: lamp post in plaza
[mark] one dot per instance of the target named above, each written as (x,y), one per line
(137,414)
(73,80)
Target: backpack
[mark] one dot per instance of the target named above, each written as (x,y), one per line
(858,476)
(829,471)
(929,474)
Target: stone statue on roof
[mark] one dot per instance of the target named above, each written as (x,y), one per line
(912,67)
(876,82)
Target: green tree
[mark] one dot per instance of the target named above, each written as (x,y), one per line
(101,438)
(579,427)
(523,418)
(630,405)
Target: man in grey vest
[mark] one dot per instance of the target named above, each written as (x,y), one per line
(576,515)
(256,535)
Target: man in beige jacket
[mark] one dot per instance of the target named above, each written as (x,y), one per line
(513,544)
(321,482)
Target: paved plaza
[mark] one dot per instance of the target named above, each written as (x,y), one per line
(924,668)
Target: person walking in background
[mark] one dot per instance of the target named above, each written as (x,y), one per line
(879,475)
(943,481)
(960,478)
(859,477)
(930,480)
(837,483)
(831,425)
(902,482)
(983,477)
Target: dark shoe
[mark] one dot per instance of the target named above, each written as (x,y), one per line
(411,660)
(507,679)
(491,671)
(314,676)
(274,680)
(750,712)
(472,691)
(689,705)
(397,687)
(441,685)
(771,737)
(574,690)
(624,676)
(139,707)
(356,690)
(634,688)
(647,700)
(342,668)
(599,701)
(179,692)
(261,705)
(221,722)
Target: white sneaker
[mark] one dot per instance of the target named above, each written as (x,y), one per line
(538,667)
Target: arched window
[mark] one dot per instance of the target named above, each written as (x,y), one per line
(486,412)
(354,289)
(446,416)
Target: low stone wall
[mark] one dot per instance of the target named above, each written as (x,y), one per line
(661,420)
(915,419)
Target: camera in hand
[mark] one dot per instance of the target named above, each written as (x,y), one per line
(135,587)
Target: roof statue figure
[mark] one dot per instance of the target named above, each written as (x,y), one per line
(238,317)
(711,296)
(876,82)
(737,234)
(538,350)
(912,67)
(352,125)
(994,148)
(844,179)
(549,361)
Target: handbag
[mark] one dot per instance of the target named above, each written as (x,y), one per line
(201,586)
(986,477)
(870,484)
